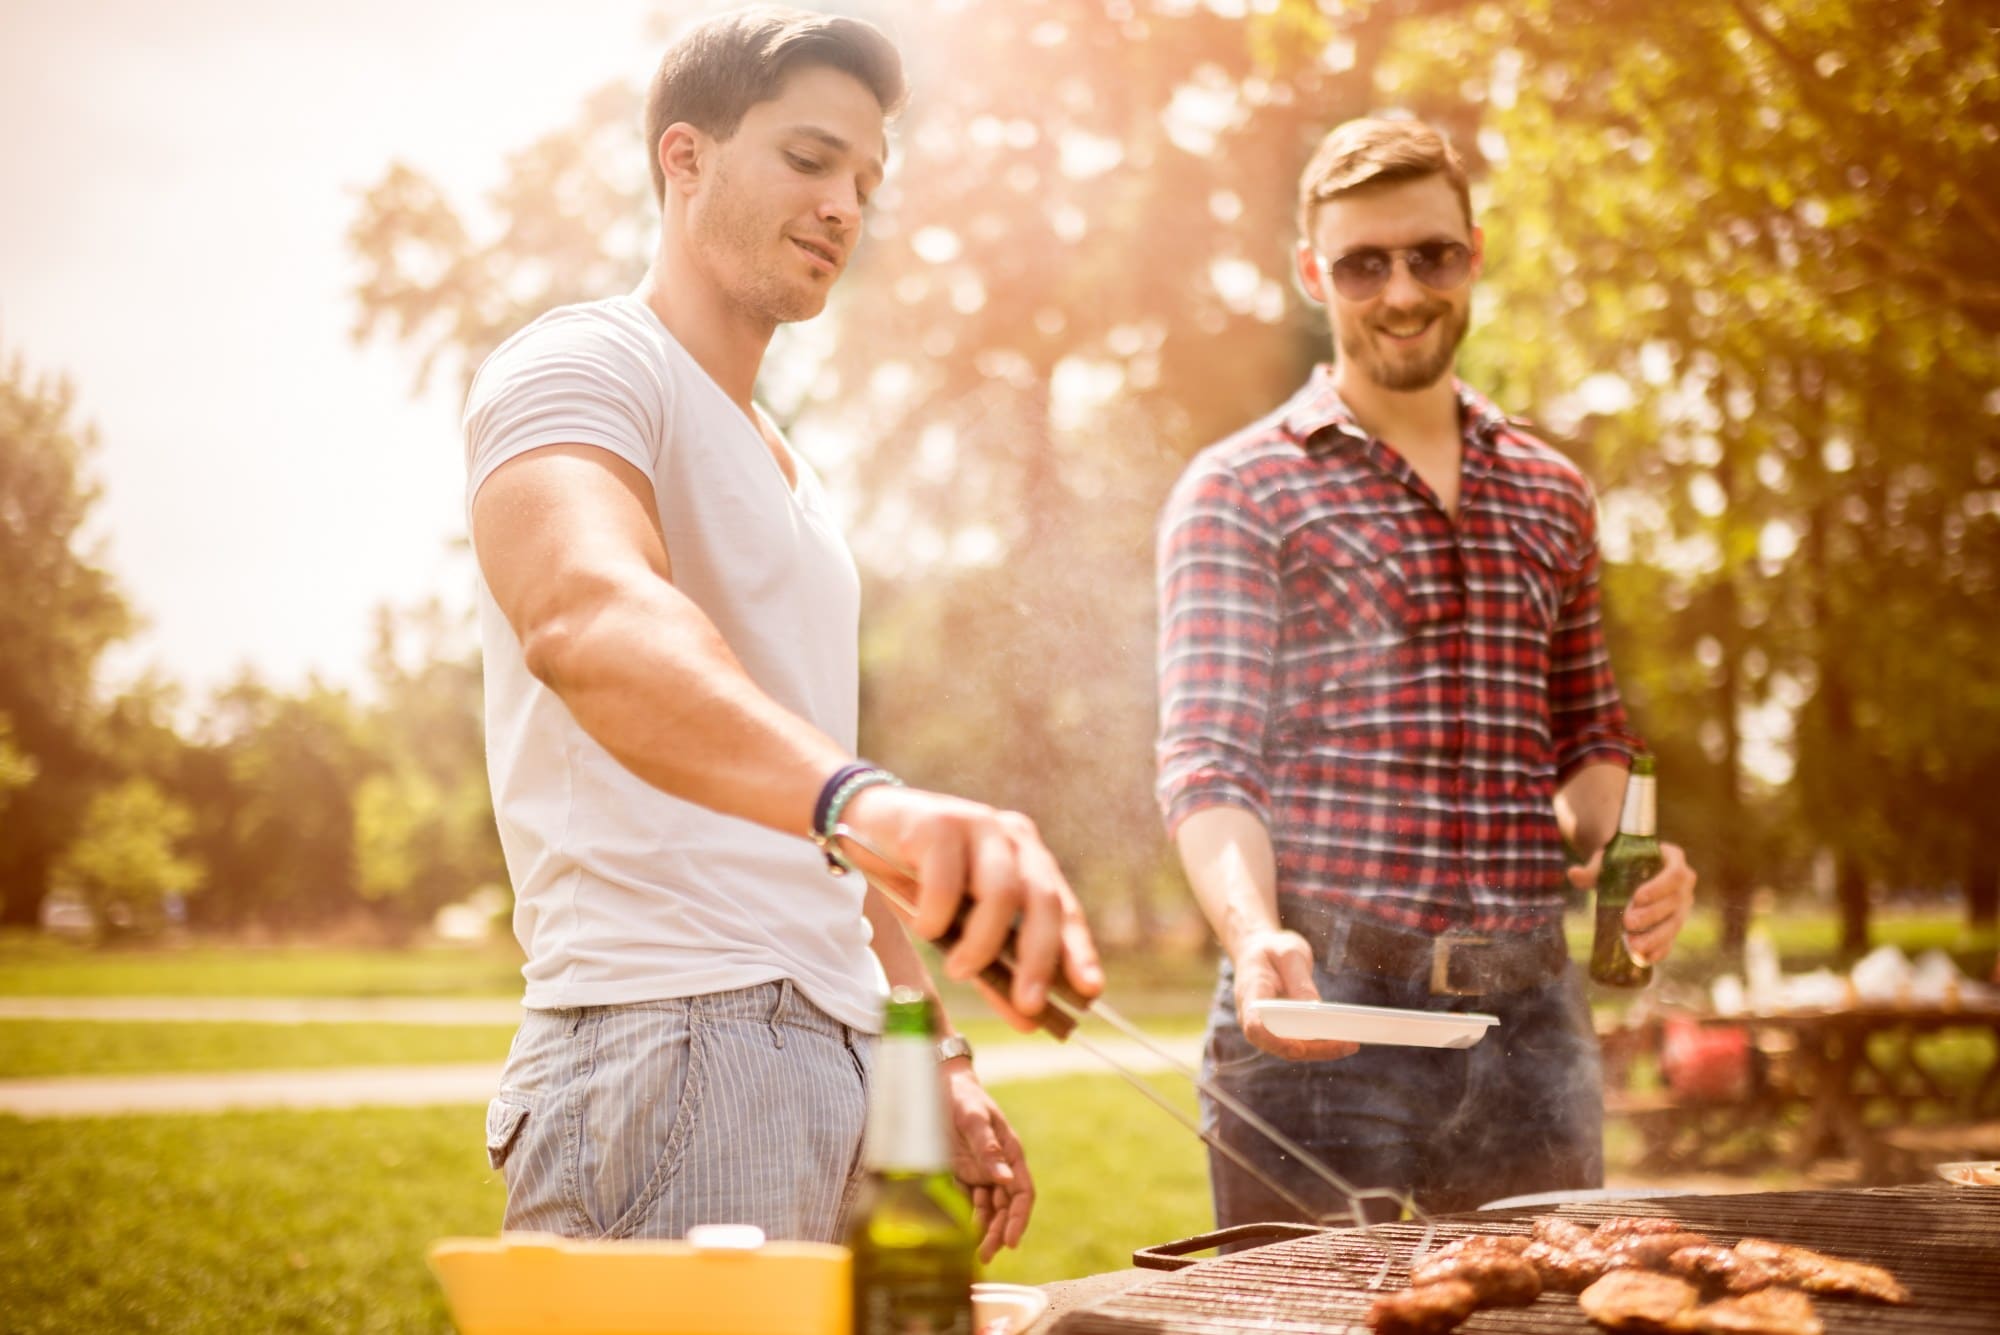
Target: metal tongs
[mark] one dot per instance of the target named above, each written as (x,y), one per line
(1065,1011)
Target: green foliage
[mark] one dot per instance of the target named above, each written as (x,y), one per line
(59,611)
(423,823)
(126,860)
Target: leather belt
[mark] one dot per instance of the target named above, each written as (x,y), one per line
(1456,964)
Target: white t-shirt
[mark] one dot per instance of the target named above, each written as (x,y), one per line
(623,893)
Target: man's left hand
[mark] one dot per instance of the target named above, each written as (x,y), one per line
(1659,907)
(986,1156)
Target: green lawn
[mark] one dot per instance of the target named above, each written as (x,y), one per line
(318,1221)
(247,1222)
(92,1047)
(36,966)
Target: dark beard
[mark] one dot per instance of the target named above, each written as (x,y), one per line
(1406,376)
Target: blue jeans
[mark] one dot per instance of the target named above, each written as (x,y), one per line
(641,1121)
(1520,1111)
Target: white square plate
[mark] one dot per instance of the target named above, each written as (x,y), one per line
(1373,1024)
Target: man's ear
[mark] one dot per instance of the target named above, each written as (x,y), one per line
(683,154)
(1311,277)
(1478,251)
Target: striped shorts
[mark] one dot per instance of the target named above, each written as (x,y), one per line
(643,1120)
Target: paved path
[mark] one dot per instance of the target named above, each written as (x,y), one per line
(457,1082)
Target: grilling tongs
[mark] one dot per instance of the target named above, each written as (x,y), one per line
(1066,1009)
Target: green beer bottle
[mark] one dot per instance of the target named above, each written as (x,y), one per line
(1630,860)
(915,1253)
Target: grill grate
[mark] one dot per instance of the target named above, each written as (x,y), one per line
(1941,1241)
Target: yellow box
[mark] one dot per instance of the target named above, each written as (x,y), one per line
(720,1282)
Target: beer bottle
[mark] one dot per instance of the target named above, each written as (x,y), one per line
(1630,860)
(911,1229)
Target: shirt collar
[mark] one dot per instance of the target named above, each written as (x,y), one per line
(1318,420)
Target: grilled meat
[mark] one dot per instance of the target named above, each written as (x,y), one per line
(1566,1269)
(1648,1251)
(1431,1309)
(1624,1225)
(1560,1232)
(1722,1269)
(1639,1300)
(1499,1277)
(1765,1312)
(1816,1272)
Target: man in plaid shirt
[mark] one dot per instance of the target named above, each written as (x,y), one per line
(1385,708)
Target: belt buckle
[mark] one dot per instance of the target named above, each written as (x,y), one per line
(1442,950)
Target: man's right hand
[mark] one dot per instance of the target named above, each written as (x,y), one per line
(962,850)
(1277,964)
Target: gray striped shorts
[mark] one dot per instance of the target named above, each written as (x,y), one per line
(643,1120)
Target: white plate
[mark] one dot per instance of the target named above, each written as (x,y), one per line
(1006,1309)
(1977,1173)
(1373,1024)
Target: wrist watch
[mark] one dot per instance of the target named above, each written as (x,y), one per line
(954,1047)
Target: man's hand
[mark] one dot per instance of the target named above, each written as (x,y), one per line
(986,1156)
(1659,908)
(968,852)
(1276,964)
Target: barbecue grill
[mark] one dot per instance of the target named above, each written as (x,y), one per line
(1941,1241)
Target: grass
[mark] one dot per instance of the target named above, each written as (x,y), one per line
(264,1222)
(36,966)
(311,1222)
(41,1048)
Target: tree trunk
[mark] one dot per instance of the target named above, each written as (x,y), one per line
(1982,889)
(1852,888)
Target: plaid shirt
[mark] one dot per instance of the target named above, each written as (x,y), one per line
(1396,695)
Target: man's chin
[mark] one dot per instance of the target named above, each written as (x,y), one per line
(1409,379)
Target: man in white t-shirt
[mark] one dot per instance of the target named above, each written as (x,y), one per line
(670,620)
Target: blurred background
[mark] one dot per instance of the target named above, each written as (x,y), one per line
(1741,267)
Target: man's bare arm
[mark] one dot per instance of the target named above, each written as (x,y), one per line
(568,541)
(1226,852)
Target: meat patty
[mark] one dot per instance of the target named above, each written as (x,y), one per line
(1639,1300)
(1816,1272)
(1722,1269)
(1429,1310)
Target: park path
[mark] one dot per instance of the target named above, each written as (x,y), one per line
(389,1086)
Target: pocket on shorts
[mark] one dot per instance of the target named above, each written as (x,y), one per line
(505,1117)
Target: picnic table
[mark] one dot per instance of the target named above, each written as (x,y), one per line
(1846,1059)
(1856,1079)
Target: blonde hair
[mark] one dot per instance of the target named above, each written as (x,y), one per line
(1360,154)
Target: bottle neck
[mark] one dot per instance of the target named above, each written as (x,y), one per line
(906,1118)
(1640,816)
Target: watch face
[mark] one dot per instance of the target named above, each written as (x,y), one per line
(952,1047)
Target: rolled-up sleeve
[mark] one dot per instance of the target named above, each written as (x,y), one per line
(1586,716)
(1219,618)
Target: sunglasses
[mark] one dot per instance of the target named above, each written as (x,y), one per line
(1438,265)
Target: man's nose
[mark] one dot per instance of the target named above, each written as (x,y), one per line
(841,208)
(1403,290)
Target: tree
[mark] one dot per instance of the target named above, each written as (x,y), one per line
(1767,254)
(423,821)
(59,610)
(127,860)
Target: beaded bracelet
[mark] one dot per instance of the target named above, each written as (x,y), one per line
(847,783)
(820,824)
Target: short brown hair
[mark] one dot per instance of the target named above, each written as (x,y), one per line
(1359,154)
(724,66)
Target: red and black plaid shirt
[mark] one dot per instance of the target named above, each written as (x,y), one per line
(1396,694)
